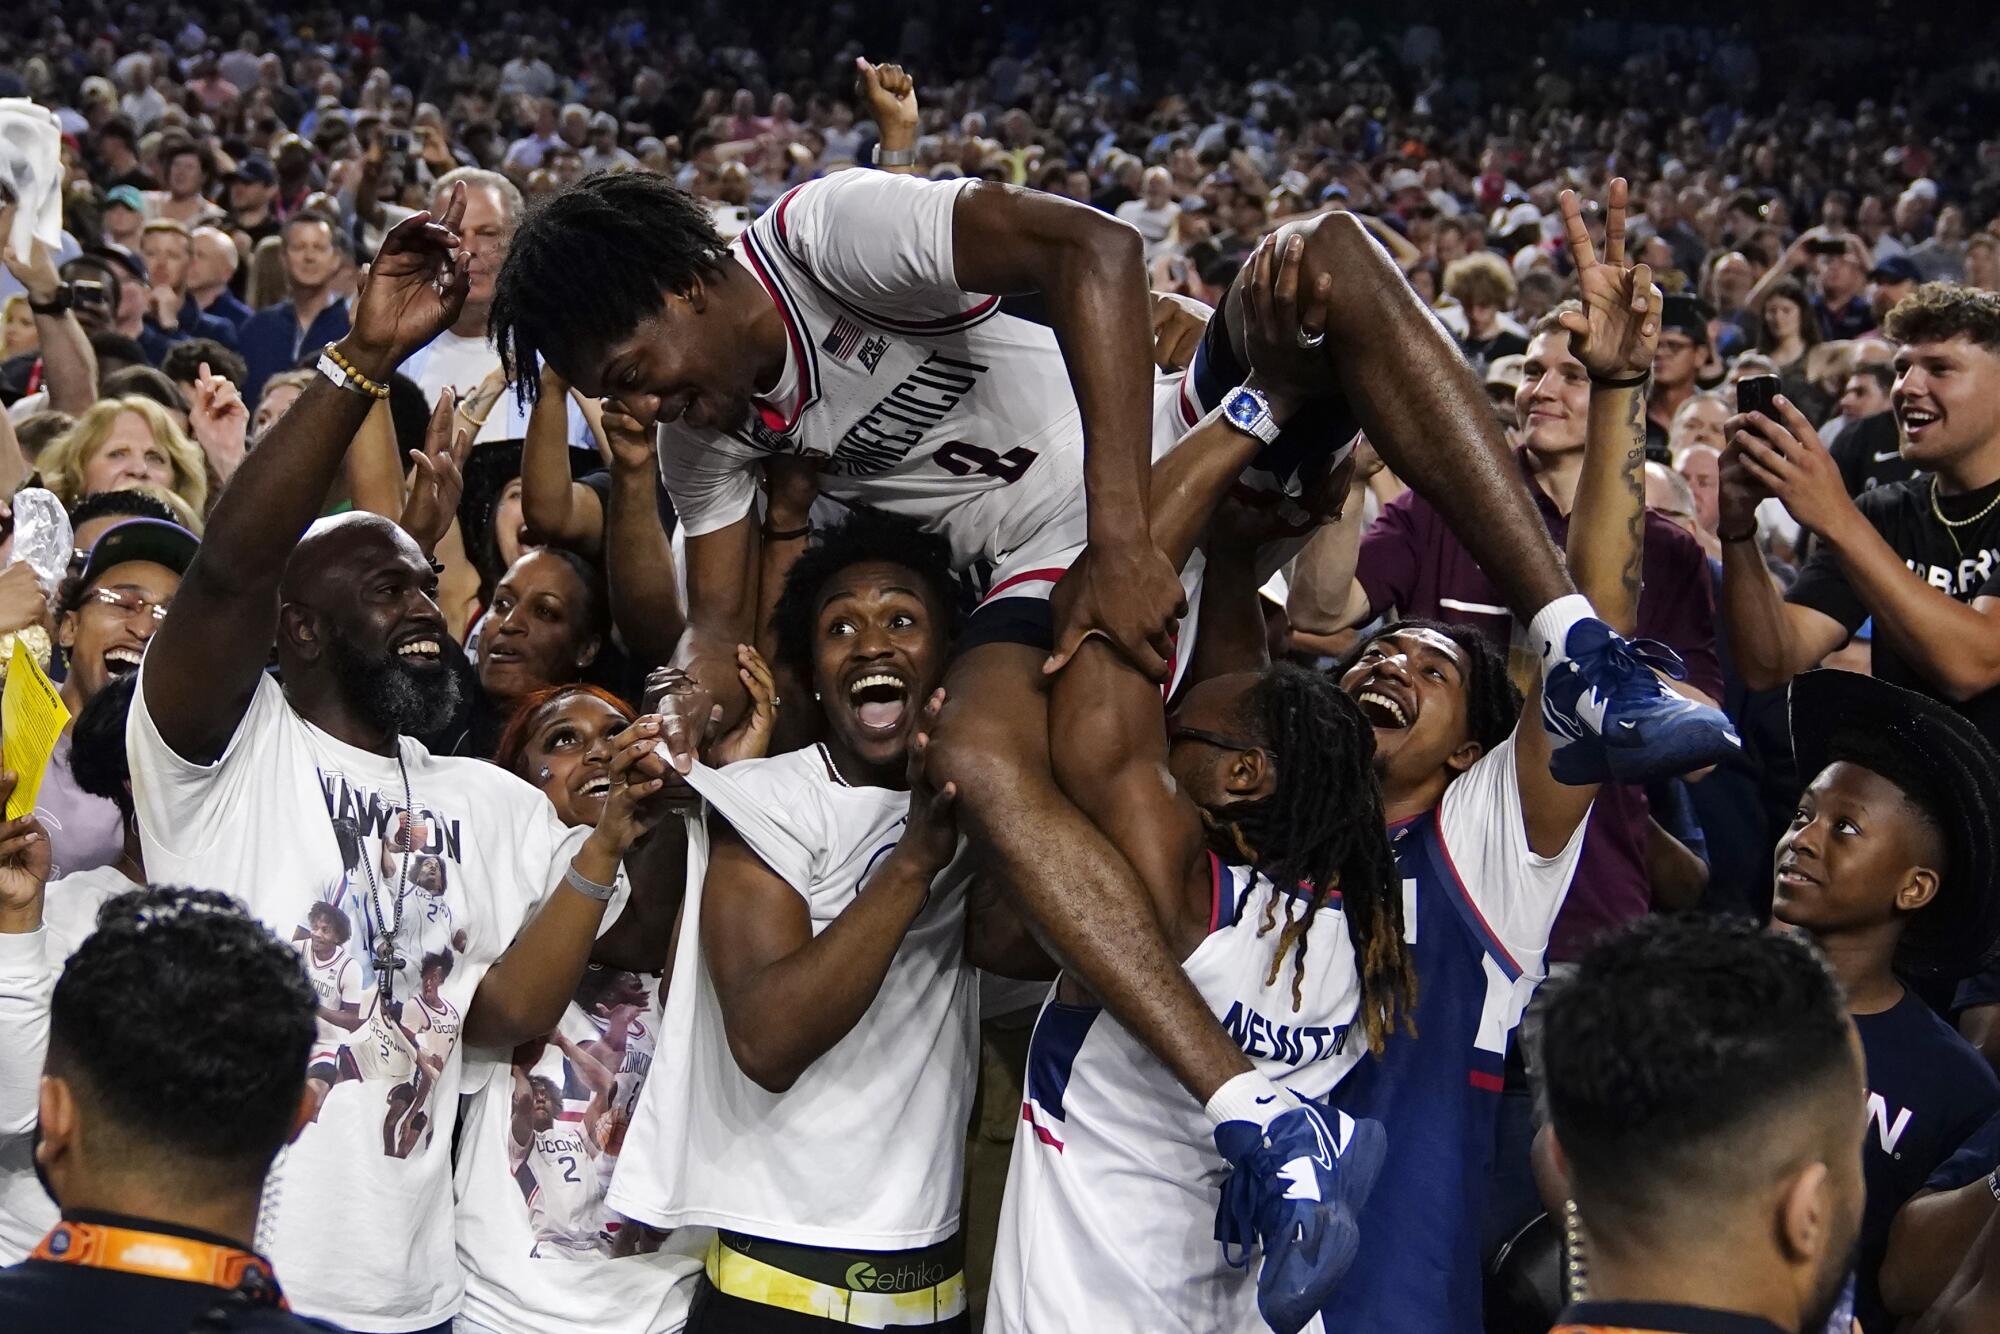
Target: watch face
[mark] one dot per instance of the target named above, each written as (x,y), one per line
(1241,409)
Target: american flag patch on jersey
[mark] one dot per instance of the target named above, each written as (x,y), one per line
(843,338)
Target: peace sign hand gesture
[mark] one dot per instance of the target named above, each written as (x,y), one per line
(414,291)
(1616,331)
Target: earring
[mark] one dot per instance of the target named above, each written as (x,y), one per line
(545,775)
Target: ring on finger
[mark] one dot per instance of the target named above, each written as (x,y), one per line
(1310,341)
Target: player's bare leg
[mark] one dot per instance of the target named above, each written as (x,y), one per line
(1423,409)
(1082,899)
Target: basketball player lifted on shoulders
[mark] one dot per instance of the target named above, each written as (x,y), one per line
(857,323)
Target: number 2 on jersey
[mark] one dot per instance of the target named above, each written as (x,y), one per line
(966,460)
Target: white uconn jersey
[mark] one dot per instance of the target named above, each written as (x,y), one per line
(1109,1220)
(923,399)
(566,1206)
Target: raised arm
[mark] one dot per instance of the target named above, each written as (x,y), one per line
(1613,336)
(558,511)
(69,366)
(1773,640)
(757,938)
(1954,645)
(1090,270)
(891,98)
(1108,723)
(639,558)
(204,662)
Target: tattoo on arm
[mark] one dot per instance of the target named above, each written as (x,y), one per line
(1635,482)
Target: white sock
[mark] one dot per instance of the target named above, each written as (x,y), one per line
(1549,631)
(1249,1097)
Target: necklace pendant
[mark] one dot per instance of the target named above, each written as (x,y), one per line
(386,959)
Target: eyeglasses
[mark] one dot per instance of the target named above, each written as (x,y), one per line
(129,601)
(1216,739)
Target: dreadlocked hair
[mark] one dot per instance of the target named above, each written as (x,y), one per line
(588,263)
(1322,827)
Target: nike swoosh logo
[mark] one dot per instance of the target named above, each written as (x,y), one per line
(1892,454)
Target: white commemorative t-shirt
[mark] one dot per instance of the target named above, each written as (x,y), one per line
(924,399)
(866,1150)
(358,1213)
(1109,1215)
(541,1248)
(30,963)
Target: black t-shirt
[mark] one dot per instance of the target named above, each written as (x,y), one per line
(1929,1090)
(1483,352)
(1869,454)
(1967,568)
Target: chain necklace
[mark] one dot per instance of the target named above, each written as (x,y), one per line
(389,921)
(1576,1275)
(1951,526)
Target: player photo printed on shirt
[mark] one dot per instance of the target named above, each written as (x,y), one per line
(390,1049)
(574,1094)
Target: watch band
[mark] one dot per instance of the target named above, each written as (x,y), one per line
(587,887)
(63,300)
(342,373)
(895,157)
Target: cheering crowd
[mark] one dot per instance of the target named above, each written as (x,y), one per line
(656,681)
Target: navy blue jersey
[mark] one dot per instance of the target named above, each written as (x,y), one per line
(1929,1090)
(1478,906)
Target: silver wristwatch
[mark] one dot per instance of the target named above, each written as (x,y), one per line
(1247,410)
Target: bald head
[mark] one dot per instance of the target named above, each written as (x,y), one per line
(341,550)
(212,261)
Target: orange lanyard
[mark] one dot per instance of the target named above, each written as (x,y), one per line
(161,1255)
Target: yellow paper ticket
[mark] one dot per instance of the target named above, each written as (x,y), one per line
(32,718)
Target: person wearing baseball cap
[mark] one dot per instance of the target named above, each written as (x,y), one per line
(253,190)
(1889,866)
(1677,363)
(124,214)
(1893,278)
(105,615)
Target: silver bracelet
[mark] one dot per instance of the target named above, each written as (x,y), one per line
(895,157)
(587,887)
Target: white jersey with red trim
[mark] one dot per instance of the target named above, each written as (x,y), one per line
(336,980)
(1109,1218)
(433,1028)
(924,399)
(566,1206)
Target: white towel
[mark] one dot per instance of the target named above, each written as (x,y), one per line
(31,165)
